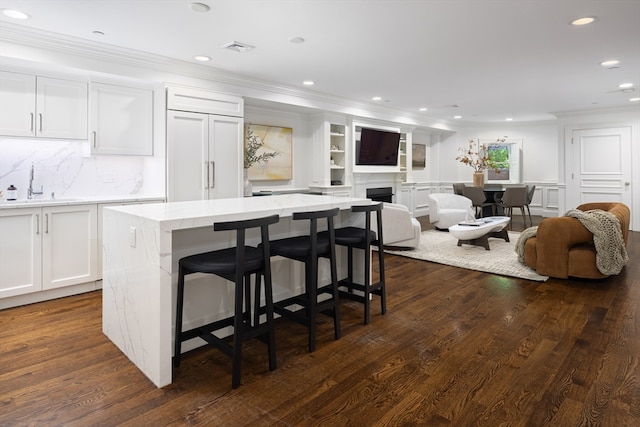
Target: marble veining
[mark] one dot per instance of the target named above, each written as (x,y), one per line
(142,246)
(68,169)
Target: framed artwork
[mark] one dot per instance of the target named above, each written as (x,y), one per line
(418,156)
(274,139)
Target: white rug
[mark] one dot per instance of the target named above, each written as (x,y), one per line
(441,247)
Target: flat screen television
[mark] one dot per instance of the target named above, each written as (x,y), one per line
(377,148)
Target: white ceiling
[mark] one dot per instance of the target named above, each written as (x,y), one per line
(485,60)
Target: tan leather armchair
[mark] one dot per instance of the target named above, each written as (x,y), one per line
(563,247)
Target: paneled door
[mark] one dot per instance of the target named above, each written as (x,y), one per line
(600,166)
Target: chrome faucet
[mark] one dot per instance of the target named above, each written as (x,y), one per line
(30,191)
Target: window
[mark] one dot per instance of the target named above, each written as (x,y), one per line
(507,158)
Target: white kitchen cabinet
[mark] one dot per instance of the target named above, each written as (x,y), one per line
(36,106)
(47,248)
(204,156)
(20,251)
(121,120)
(69,245)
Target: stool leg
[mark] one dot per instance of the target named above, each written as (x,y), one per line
(256,304)
(336,296)
(177,347)
(350,267)
(237,333)
(268,297)
(367,285)
(311,283)
(383,290)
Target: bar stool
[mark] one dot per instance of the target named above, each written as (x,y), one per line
(235,264)
(308,249)
(364,238)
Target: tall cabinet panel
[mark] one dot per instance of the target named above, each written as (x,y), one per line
(189,169)
(204,155)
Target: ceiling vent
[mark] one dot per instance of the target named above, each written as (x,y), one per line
(237,46)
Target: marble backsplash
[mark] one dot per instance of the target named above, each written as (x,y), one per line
(67,169)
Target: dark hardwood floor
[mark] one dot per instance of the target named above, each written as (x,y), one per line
(456,348)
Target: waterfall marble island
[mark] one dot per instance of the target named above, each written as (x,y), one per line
(143,243)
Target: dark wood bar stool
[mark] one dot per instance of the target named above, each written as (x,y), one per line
(364,238)
(308,249)
(235,264)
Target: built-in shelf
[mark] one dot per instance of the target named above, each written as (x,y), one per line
(337,146)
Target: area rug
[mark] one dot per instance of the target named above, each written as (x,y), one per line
(441,247)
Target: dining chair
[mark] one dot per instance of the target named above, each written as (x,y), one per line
(514,197)
(531,189)
(479,200)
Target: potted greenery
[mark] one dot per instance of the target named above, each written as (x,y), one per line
(477,156)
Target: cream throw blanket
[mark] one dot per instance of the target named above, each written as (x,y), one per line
(611,253)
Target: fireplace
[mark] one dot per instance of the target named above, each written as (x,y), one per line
(380,194)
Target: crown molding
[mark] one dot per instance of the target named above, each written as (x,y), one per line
(245,85)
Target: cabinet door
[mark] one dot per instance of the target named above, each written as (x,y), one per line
(69,245)
(189,170)
(226,156)
(17,104)
(20,251)
(121,120)
(62,107)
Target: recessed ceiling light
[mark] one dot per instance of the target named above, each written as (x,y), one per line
(583,21)
(308,83)
(457,117)
(625,85)
(634,99)
(296,40)
(200,7)
(202,58)
(377,98)
(509,119)
(15,14)
(422,109)
(610,63)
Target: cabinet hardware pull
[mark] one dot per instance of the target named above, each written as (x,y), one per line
(37,224)
(46,223)
(31,122)
(206,182)
(213,174)
(40,121)
(95,137)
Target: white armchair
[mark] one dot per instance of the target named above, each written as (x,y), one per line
(447,209)
(399,227)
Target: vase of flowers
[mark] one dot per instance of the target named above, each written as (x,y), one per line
(476,155)
(253,143)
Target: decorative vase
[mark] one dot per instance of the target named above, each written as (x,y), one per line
(248,188)
(478,179)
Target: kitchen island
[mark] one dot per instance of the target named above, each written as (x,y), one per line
(142,245)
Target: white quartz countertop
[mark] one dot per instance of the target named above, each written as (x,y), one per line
(43,202)
(184,215)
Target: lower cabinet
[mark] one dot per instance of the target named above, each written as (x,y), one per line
(47,248)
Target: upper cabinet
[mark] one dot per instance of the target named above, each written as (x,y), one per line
(121,120)
(35,106)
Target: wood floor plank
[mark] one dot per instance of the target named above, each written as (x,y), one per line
(456,348)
